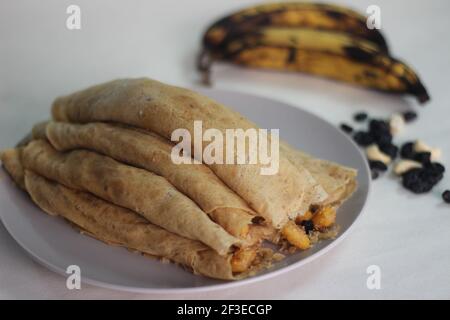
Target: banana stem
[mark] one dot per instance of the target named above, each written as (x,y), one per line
(204,63)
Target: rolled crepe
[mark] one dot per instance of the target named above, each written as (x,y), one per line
(161,108)
(338,181)
(136,189)
(117,225)
(11,160)
(38,132)
(147,151)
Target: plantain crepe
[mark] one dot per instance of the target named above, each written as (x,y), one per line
(104,163)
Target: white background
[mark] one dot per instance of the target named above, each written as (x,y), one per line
(408,236)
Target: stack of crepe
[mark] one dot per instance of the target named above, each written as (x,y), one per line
(104,163)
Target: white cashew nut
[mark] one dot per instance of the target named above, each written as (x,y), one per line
(420,146)
(405,165)
(396,123)
(375,154)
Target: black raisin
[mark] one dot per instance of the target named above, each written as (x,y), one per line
(379,126)
(375,174)
(383,139)
(412,173)
(314,208)
(390,149)
(308,225)
(407,150)
(421,180)
(380,131)
(360,116)
(446,196)
(422,157)
(377,165)
(346,128)
(435,166)
(409,116)
(363,138)
(432,175)
(416,181)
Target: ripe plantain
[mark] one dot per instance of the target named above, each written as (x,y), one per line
(278,42)
(291,15)
(306,39)
(357,67)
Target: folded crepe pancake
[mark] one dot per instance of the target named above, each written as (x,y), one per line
(150,195)
(11,160)
(120,226)
(117,225)
(147,151)
(161,200)
(37,132)
(338,181)
(161,108)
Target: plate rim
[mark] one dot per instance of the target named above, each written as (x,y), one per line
(231,283)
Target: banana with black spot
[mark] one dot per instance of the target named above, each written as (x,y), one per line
(356,65)
(291,15)
(324,52)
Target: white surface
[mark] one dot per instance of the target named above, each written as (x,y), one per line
(405,235)
(115,268)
